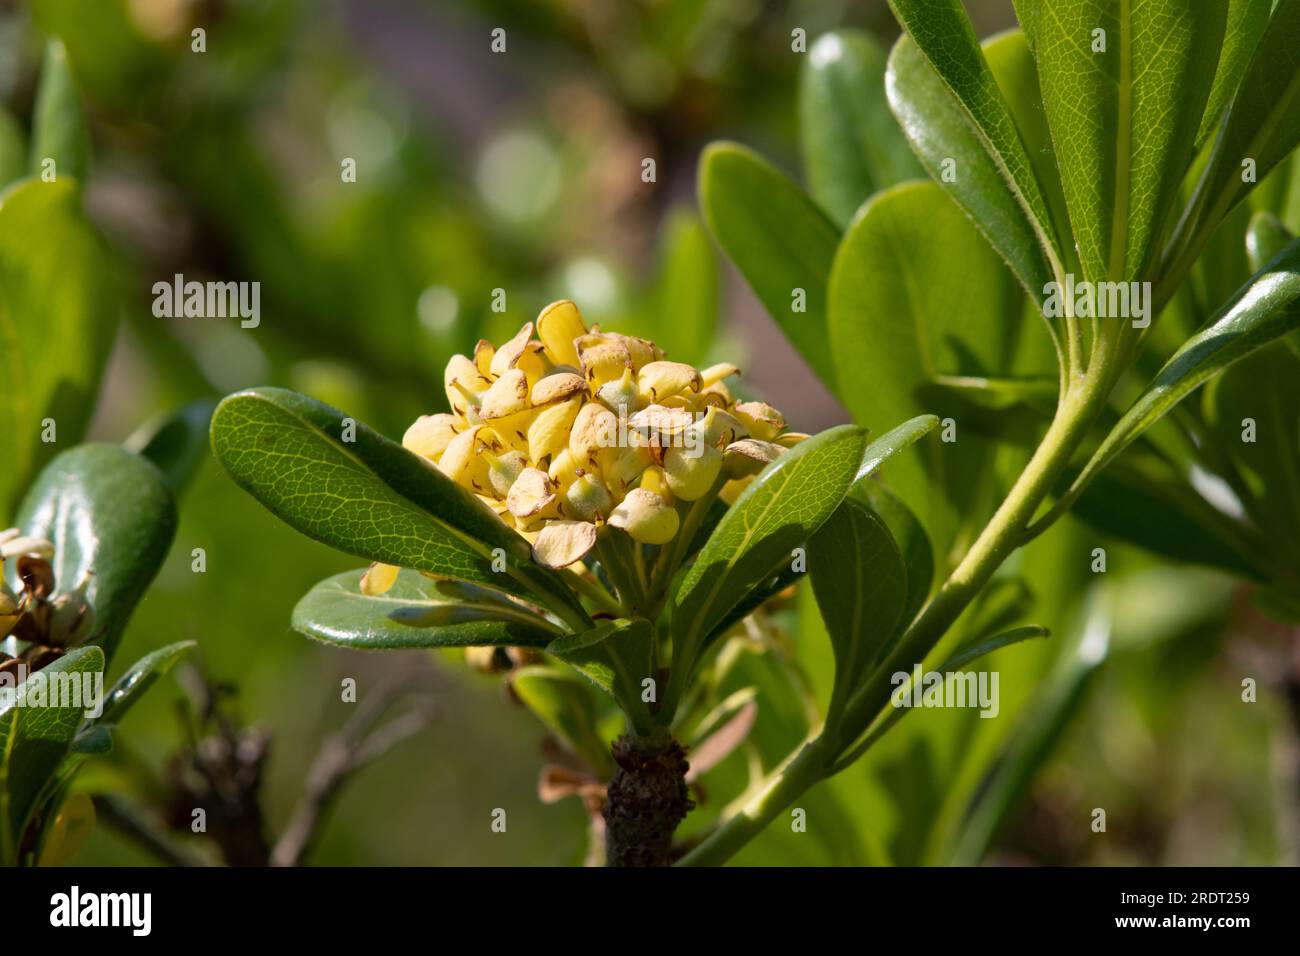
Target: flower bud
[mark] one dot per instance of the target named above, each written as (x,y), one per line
(588,498)
(646,517)
(690,476)
(506,356)
(531,493)
(504,469)
(622,394)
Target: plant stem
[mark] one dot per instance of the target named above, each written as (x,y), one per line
(800,771)
(999,538)
(594,592)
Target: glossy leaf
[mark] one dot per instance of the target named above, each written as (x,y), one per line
(1262,393)
(566,705)
(784,505)
(1124,105)
(1167,517)
(615,656)
(139,677)
(945,39)
(955,153)
(34,741)
(1266,237)
(912,541)
(111,519)
(177,442)
(413,614)
(860,580)
(778,239)
(970,653)
(1247,20)
(852,146)
(369,497)
(916,294)
(1265,308)
(57,319)
(58,126)
(1262,126)
(881,449)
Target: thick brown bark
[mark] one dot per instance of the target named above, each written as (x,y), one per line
(646,801)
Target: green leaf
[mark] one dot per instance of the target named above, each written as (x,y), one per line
(1039,726)
(34,741)
(912,541)
(860,581)
(111,519)
(1263,123)
(943,36)
(917,294)
(413,614)
(139,677)
(57,318)
(568,707)
(616,657)
(687,290)
(369,497)
(1266,237)
(1124,119)
(893,441)
(1265,308)
(1263,391)
(778,239)
(852,145)
(1246,22)
(176,442)
(972,652)
(943,134)
(1167,517)
(58,126)
(778,512)
(13,149)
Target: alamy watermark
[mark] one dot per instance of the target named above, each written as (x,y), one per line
(83,690)
(208,300)
(951,689)
(1102,300)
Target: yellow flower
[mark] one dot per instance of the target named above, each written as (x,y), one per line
(578,428)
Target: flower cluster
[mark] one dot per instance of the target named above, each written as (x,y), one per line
(44,625)
(575,428)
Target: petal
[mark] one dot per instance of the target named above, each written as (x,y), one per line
(691,475)
(548,434)
(557,385)
(507,396)
(594,428)
(531,492)
(509,353)
(463,384)
(561,543)
(714,374)
(749,456)
(429,435)
(762,420)
(659,380)
(378,579)
(559,326)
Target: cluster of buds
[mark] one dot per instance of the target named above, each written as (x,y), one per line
(564,429)
(43,625)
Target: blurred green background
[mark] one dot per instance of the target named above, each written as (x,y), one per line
(522,171)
